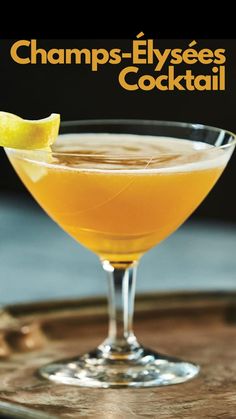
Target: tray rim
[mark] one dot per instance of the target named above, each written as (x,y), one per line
(18,411)
(143,302)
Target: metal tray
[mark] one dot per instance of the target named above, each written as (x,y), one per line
(200,327)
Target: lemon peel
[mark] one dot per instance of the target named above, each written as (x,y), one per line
(16,132)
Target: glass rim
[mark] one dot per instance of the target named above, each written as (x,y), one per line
(141,122)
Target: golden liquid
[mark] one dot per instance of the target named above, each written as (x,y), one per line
(120,207)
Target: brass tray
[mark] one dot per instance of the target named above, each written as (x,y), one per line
(200,327)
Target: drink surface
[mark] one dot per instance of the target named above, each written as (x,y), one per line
(120,194)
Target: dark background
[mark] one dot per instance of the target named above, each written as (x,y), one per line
(74,91)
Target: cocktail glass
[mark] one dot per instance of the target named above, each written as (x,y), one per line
(119,195)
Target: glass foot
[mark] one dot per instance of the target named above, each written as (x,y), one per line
(148,369)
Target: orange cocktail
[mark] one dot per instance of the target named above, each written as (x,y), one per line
(119,187)
(119,195)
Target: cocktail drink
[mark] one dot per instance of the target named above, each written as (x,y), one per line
(119,188)
(120,205)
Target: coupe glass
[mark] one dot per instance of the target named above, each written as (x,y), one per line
(119,203)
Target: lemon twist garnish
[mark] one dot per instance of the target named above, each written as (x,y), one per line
(16,132)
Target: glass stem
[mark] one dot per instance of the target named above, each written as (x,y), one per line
(121,342)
